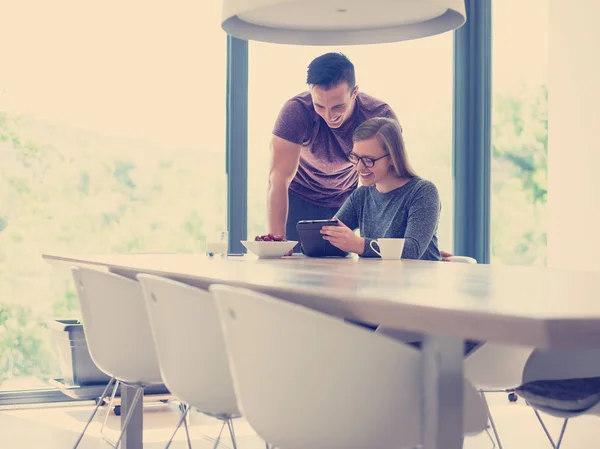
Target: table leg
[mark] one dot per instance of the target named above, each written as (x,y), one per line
(133,435)
(442,393)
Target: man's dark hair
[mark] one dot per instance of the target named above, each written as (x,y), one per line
(329,70)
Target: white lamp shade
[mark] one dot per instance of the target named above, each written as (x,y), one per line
(340,22)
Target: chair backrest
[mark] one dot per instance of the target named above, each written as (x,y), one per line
(116,326)
(190,345)
(306,379)
(497,365)
(562,364)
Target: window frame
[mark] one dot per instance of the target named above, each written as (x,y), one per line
(472,118)
(471,149)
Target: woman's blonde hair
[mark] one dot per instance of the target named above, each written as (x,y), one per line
(389,133)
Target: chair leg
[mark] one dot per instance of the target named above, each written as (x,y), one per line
(112,399)
(182,420)
(231,432)
(110,382)
(185,425)
(136,398)
(562,433)
(219,436)
(554,446)
(493,424)
(491,438)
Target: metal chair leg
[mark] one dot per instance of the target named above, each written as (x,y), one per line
(562,430)
(136,398)
(112,399)
(490,437)
(110,382)
(232,433)
(562,433)
(492,424)
(185,425)
(182,420)
(219,436)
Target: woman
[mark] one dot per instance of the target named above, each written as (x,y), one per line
(392,202)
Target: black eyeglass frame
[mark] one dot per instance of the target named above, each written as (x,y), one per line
(368,162)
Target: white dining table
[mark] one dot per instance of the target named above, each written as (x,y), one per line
(446,302)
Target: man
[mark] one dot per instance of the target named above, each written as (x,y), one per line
(310,175)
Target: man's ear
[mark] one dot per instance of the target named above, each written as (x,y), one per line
(355,91)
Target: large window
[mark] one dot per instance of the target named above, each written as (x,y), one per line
(519,131)
(112,139)
(414,77)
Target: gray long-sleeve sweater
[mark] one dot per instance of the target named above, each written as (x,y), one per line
(411,212)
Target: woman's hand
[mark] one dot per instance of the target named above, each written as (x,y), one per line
(445,255)
(343,237)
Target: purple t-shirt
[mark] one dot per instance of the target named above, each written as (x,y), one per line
(324,177)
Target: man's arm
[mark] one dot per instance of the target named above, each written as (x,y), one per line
(285,157)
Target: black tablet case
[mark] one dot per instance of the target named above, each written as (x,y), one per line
(312,241)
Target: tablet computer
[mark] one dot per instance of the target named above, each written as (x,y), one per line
(312,241)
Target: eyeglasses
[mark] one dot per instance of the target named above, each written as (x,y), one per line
(367,161)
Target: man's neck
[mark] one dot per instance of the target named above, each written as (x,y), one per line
(350,118)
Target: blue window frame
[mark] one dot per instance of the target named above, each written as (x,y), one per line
(471,135)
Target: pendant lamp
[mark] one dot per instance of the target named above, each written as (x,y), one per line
(340,22)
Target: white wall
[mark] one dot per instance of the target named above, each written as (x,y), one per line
(574,135)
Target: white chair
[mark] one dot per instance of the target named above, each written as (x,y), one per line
(534,374)
(306,379)
(117,332)
(190,347)
(497,368)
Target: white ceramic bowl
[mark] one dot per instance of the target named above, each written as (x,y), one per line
(268,250)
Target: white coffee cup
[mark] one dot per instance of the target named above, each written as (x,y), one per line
(388,248)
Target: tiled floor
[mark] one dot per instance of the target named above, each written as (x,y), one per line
(57,428)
